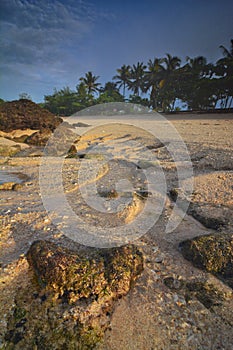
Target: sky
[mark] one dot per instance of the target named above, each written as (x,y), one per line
(47,44)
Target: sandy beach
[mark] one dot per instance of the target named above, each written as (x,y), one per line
(156,313)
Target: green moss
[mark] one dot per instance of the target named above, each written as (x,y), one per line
(77,276)
(19,313)
(72,309)
(90,338)
(213,253)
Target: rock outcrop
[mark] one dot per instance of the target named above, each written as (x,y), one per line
(73,296)
(213,253)
(25,114)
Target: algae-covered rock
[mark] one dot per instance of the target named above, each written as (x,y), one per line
(76,276)
(70,299)
(213,253)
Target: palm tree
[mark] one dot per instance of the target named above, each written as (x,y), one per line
(153,78)
(196,65)
(197,86)
(169,82)
(123,77)
(90,82)
(110,93)
(109,87)
(224,69)
(137,78)
(171,62)
(227,53)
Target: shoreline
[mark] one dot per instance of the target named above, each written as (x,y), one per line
(185,115)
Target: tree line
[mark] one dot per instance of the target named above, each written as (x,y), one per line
(159,84)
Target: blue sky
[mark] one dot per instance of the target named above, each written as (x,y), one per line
(52,43)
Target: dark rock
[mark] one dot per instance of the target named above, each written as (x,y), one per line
(156,145)
(24,114)
(172,283)
(72,153)
(208,216)
(80,125)
(143,193)
(213,253)
(10,186)
(174,194)
(206,293)
(159,259)
(111,193)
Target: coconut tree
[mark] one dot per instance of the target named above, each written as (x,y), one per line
(137,78)
(195,85)
(171,62)
(197,65)
(153,79)
(109,93)
(224,69)
(109,87)
(227,53)
(122,77)
(168,84)
(90,81)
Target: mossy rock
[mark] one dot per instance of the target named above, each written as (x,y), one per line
(213,253)
(74,276)
(70,299)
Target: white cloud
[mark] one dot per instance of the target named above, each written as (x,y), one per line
(39,30)
(41,40)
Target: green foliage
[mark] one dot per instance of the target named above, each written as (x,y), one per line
(67,102)
(197,84)
(139,100)
(90,82)
(136,81)
(24,96)
(110,93)
(123,77)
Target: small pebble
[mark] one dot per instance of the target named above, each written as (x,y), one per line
(159,259)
